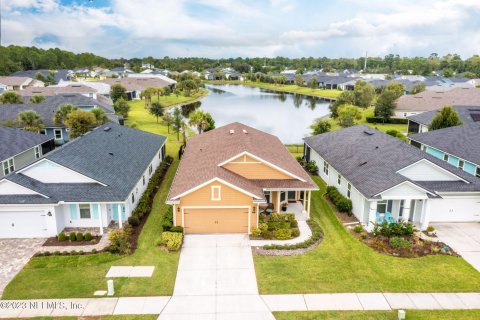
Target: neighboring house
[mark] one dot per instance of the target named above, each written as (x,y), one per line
(3,88)
(409,105)
(19,83)
(153,75)
(135,85)
(118,72)
(100,87)
(20,148)
(61,74)
(91,182)
(383,176)
(230,174)
(46,110)
(459,145)
(419,123)
(56,90)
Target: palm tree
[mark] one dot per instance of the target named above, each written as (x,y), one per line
(159,92)
(198,119)
(168,119)
(61,114)
(147,95)
(30,120)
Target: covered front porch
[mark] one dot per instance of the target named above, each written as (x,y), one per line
(287,201)
(394,210)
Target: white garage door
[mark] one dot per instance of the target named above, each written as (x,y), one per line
(455,210)
(23,224)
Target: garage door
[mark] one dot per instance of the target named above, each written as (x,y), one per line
(455,210)
(228,220)
(23,224)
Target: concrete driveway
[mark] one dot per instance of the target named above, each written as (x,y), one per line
(216,280)
(14,255)
(464,238)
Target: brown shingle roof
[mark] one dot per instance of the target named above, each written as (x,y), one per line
(53,91)
(430,100)
(15,81)
(204,153)
(138,83)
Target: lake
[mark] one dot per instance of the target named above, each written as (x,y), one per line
(286,115)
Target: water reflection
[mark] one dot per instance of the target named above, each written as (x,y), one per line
(189,108)
(285,115)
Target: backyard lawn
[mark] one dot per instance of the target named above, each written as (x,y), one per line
(380,315)
(343,264)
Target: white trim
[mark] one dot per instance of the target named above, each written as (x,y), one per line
(55,136)
(219,188)
(13,164)
(25,188)
(436,165)
(217,207)
(415,186)
(219,180)
(290,189)
(264,161)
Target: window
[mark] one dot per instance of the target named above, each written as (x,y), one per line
(445,157)
(325,167)
(133,197)
(216,193)
(144,180)
(267,196)
(58,134)
(478,172)
(8,166)
(461,163)
(150,169)
(339,179)
(37,152)
(43,131)
(382,206)
(282,196)
(84,211)
(349,190)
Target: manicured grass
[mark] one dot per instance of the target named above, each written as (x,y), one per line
(322,93)
(343,264)
(380,315)
(295,149)
(78,276)
(370,113)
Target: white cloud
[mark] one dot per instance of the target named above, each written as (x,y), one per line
(41,5)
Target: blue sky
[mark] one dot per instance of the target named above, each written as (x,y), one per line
(231,28)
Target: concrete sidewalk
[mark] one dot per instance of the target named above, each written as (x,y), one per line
(235,306)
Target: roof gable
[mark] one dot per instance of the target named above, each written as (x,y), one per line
(47,171)
(11,188)
(424,170)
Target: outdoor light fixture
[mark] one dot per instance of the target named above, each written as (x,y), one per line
(49,214)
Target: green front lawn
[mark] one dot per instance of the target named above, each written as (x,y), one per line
(115,317)
(343,264)
(370,113)
(380,315)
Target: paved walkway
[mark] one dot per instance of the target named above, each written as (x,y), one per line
(464,238)
(14,254)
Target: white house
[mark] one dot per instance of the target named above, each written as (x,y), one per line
(382,174)
(92,181)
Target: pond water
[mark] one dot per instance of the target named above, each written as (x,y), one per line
(286,115)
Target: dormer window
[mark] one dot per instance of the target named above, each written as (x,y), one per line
(216,193)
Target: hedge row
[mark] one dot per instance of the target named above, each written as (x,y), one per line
(342,203)
(316,235)
(145,203)
(391,120)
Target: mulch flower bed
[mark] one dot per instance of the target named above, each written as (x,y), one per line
(53,242)
(260,251)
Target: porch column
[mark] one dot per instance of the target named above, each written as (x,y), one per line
(258,214)
(372,215)
(406,210)
(309,203)
(425,220)
(174,215)
(304,200)
(278,201)
(100,214)
(120,222)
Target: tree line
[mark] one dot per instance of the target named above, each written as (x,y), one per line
(16,58)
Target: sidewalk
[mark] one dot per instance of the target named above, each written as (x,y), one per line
(287,302)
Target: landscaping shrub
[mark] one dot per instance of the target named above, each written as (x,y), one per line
(263,226)
(120,240)
(168,159)
(294,224)
(94,250)
(79,236)
(391,120)
(62,237)
(400,243)
(358,229)
(342,203)
(311,167)
(283,234)
(172,240)
(256,232)
(316,235)
(430,229)
(177,229)
(277,225)
(295,232)
(72,236)
(267,234)
(167,219)
(396,134)
(88,236)
(397,229)
(133,221)
(56,253)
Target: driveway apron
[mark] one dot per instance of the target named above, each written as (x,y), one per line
(216,280)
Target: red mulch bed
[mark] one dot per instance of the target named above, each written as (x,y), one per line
(53,242)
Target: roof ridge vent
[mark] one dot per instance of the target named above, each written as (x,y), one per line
(368,132)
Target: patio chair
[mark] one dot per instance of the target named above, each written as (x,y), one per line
(380,218)
(389,218)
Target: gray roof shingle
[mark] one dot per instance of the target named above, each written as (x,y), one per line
(465,113)
(15,141)
(370,159)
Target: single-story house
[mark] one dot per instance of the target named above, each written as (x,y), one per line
(384,176)
(20,148)
(230,174)
(47,108)
(61,74)
(56,90)
(458,146)
(93,181)
(135,85)
(19,83)
(420,123)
